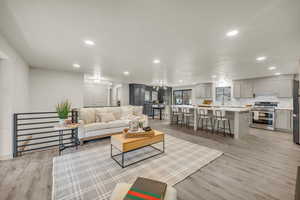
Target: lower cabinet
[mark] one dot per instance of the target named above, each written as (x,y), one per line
(283,120)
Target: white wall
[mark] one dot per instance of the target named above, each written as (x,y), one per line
(96,94)
(14,72)
(125,94)
(49,87)
(122,95)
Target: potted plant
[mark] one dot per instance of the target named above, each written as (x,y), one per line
(63,110)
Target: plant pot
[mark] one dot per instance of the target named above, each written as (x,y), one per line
(61,122)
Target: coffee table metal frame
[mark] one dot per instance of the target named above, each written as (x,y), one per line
(161,151)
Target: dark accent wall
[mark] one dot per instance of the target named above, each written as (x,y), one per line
(137,96)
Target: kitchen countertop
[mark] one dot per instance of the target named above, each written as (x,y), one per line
(226,108)
(283,108)
(230,109)
(234,108)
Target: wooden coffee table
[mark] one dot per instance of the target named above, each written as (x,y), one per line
(125,145)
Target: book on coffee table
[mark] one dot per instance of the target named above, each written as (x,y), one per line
(146,189)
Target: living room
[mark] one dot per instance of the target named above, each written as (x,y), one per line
(149,100)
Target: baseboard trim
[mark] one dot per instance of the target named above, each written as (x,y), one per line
(6,157)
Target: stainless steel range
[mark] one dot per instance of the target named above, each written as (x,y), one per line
(263,115)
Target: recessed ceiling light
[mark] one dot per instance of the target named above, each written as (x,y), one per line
(89,42)
(272,68)
(126,73)
(277,73)
(214,76)
(76,65)
(180,81)
(261,58)
(232,33)
(156,61)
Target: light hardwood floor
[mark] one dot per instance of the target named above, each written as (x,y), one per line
(261,166)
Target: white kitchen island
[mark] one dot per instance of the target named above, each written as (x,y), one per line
(239,118)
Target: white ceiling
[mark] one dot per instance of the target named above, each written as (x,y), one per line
(188,36)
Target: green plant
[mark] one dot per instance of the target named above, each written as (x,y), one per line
(63,109)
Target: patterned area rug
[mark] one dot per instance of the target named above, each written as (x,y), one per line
(92,174)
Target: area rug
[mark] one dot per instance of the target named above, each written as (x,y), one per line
(92,174)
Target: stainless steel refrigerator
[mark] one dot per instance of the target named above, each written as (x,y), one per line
(296,99)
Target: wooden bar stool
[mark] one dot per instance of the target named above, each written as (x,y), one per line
(219,116)
(203,116)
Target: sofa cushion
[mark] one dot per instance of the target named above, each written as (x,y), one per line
(98,112)
(126,111)
(138,110)
(116,111)
(87,115)
(105,117)
(106,125)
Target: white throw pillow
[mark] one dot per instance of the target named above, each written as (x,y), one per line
(87,115)
(98,112)
(138,110)
(117,112)
(130,117)
(105,117)
(127,110)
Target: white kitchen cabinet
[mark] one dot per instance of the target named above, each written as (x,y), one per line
(243,89)
(281,87)
(203,91)
(285,88)
(283,120)
(237,89)
(264,87)
(247,89)
(208,92)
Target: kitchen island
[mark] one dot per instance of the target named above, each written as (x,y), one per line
(239,118)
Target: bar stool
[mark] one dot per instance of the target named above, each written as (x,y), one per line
(220,116)
(177,115)
(187,115)
(203,116)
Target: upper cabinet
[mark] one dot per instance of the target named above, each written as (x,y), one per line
(285,88)
(237,89)
(243,89)
(281,86)
(203,91)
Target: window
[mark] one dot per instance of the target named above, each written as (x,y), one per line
(223,94)
(182,97)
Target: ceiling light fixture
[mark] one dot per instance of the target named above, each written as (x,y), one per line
(156,61)
(159,84)
(89,42)
(277,73)
(180,81)
(214,76)
(75,65)
(232,33)
(272,68)
(261,58)
(126,73)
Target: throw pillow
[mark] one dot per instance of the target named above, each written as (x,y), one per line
(127,110)
(87,115)
(106,117)
(138,110)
